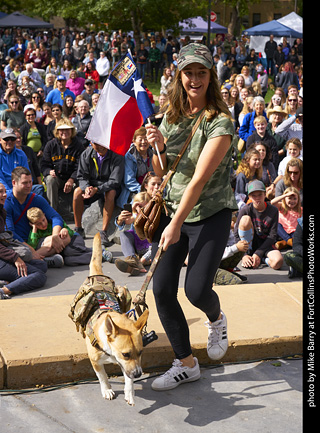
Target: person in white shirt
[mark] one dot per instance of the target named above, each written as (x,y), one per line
(34,76)
(102,66)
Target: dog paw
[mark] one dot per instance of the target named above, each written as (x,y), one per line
(129,398)
(108,393)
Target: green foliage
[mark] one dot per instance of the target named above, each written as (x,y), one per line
(148,14)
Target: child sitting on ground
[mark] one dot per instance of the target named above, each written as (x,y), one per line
(137,252)
(290,209)
(40,236)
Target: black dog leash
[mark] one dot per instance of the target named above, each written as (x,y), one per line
(140,299)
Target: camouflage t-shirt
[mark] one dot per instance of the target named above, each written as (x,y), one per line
(217,194)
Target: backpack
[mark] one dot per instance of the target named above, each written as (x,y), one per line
(98,293)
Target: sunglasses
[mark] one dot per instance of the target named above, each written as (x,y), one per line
(9,139)
(30,115)
(14,102)
(35,97)
(292,100)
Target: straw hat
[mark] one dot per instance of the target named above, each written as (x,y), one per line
(276,110)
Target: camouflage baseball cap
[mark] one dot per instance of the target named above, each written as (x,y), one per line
(195,53)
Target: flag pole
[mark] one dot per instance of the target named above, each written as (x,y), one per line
(149,121)
(157,148)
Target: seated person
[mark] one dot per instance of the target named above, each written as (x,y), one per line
(290,210)
(57,95)
(269,174)
(249,168)
(294,150)
(136,252)
(17,204)
(60,161)
(262,135)
(40,238)
(293,176)
(37,186)
(100,174)
(82,121)
(257,223)
(137,162)
(89,90)
(16,274)
(294,258)
(10,157)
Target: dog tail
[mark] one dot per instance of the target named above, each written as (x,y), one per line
(96,259)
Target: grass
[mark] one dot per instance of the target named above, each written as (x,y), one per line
(154,89)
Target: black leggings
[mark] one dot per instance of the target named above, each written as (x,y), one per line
(205,242)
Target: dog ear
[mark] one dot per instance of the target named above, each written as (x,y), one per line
(142,320)
(112,328)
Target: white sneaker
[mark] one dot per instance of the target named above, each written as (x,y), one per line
(176,375)
(217,338)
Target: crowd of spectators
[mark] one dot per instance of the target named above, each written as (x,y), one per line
(50,82)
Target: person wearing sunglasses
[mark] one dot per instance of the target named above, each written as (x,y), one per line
(13,116)
(36,103)
(293,176)
(291,105)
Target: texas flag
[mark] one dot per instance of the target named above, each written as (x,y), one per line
(122,108)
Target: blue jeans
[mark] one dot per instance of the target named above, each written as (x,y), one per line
(141,69)
(283,234)
(36,276)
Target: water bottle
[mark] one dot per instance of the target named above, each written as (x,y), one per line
(106,255)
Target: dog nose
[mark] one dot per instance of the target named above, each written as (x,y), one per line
(137,373)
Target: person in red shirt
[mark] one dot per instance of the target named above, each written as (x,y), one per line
(92,73)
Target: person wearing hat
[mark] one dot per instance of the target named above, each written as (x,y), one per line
(199,201)
(257,223)
(60,161)
(57,95)
(89,90)
(276,115)
(10,157)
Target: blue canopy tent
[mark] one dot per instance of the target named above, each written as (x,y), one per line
(199,25)
(272,28)
(16,19)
